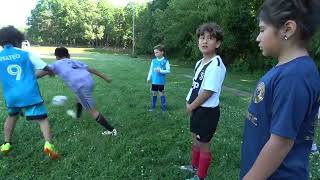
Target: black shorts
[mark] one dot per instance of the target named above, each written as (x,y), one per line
(157,87)
(204,122)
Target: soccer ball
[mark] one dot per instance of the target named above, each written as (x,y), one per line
(59,100)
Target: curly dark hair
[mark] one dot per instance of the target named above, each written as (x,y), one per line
(61,52)
(11,35)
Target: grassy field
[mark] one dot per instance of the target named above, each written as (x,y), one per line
(149,145)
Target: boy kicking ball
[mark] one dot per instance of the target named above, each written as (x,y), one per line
(77,75)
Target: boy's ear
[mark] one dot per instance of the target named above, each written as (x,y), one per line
(218,44)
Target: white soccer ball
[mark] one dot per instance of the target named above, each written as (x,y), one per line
(59,100)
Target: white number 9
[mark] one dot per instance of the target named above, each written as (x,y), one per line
(14,70)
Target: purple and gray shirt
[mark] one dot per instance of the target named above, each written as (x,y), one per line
(74,73)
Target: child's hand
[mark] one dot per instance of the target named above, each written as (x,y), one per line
(148,80)
(189,109)
(158,70)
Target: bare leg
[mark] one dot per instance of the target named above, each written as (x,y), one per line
(45,129)
(154,93)
(9,126)
(205,147)
(162,93)
(195,142)
(94,113)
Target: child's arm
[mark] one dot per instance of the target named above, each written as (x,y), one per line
(167,70)
(270,158)
(150,73)
(202,97)
(99,74)
(45,71)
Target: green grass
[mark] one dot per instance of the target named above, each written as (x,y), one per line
(150,145)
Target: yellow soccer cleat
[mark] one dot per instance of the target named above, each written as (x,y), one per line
(50,150)
(6,148)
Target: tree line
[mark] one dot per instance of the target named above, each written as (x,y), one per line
(98,23)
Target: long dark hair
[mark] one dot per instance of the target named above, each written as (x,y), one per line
(306,14)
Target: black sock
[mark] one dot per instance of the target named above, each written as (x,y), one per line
(79,110)
(103,122)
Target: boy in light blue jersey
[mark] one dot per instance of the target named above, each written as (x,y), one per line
(159,68)
(20,88)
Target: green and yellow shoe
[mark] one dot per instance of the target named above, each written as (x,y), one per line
(6,148)
(50,150)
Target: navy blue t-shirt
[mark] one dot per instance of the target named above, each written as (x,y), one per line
(285,103)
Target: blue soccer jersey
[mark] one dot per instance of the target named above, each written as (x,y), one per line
(158,78)
(19,83)
(285,103)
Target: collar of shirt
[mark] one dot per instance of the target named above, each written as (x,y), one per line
(160,59)
(208,61)
(7,46)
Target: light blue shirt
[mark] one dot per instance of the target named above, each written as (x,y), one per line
(19,83)
(159,78)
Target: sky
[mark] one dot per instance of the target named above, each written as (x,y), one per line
(23,9)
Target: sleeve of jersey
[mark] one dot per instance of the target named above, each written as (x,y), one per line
(167,71)
(36,61)
(52,67)
(212,78)
(150,71)
(289,106)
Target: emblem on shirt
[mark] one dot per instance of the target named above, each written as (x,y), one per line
(201,76)
(259,93)
(252,118)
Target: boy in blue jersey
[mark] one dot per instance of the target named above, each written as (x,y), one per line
(20,88)
(159,68)
(280,125)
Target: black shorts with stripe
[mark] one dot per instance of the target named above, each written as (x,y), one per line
(204,122)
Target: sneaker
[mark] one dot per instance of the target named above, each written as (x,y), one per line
(314,149)
(110,133)
(196,177)
(50,150)
(189,168)
(6,148)
(151,110)
(72,114)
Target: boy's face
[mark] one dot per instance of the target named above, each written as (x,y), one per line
(208,44)
(157,53)
(269,40)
